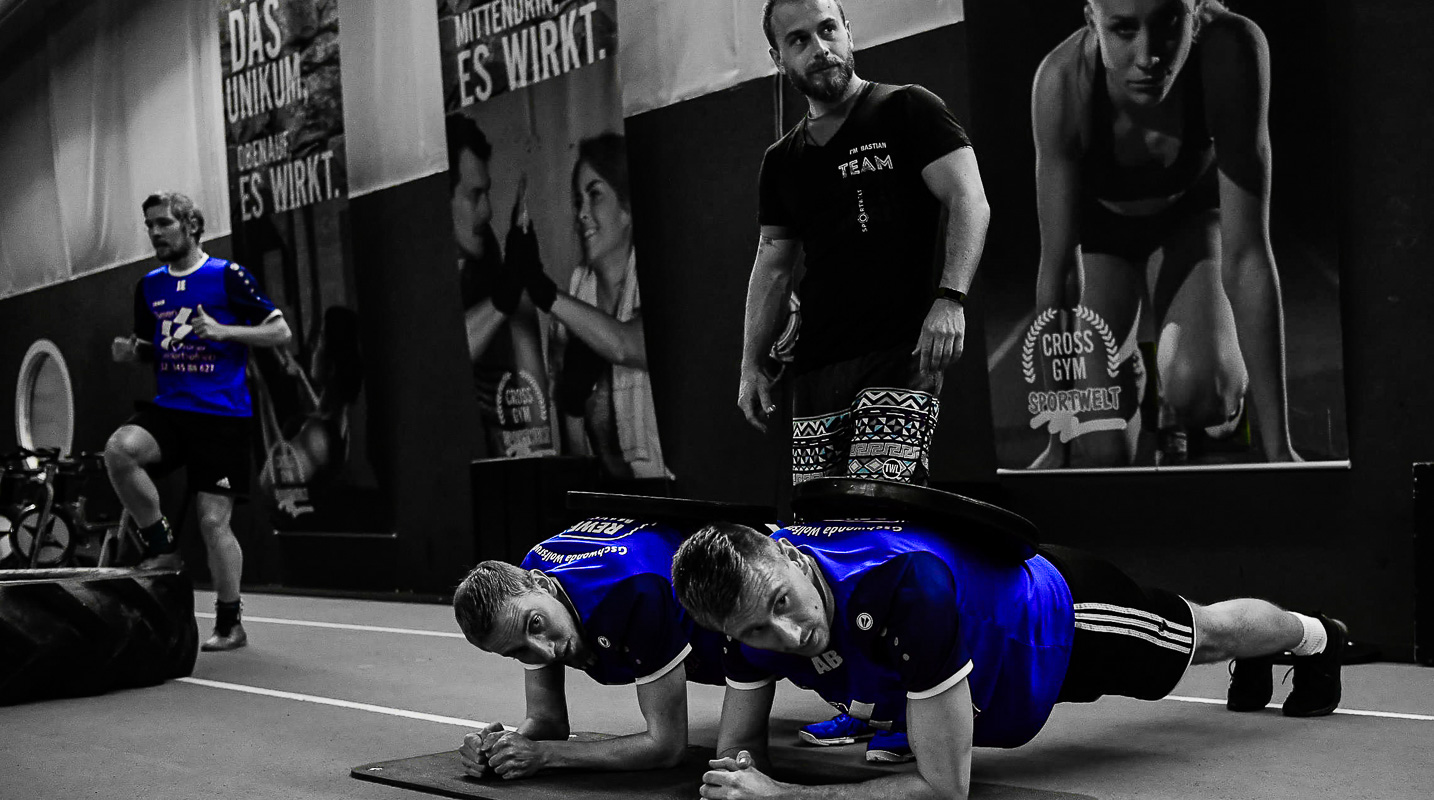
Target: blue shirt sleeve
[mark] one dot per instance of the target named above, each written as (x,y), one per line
(640,624)
(246,299)
(904,618)
(740,672)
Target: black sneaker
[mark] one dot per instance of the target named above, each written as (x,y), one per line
(1251,683)
(233,639)
(1317,686)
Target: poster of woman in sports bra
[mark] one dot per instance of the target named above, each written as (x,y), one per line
(1171,294)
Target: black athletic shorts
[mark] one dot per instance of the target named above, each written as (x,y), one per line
(1130,640)
(214,448)
(1136,238)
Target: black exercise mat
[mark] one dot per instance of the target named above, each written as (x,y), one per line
(442,774)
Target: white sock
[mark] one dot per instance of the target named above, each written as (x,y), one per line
(1314,639)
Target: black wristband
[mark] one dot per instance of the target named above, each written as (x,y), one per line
(955,295)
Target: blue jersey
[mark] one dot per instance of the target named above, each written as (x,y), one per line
(617,574)
(192,373)
(915,608)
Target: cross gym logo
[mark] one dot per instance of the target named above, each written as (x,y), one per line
(1065,358)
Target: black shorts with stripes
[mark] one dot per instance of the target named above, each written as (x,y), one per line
(1130,640)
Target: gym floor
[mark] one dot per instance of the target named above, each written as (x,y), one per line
(327,684)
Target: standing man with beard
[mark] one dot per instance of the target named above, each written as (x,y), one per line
(864,187)
(195,318)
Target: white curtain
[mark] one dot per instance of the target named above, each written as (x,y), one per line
(122,98)
(104,106)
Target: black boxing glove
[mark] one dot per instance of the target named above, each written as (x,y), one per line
(507,290)
(541,289)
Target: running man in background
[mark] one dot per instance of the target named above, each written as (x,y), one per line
(195,318)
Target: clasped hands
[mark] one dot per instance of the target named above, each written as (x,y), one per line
(736,778)
(495,750)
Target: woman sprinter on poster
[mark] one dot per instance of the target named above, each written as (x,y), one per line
(1153,192)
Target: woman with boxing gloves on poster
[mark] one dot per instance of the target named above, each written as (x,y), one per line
(1153,191)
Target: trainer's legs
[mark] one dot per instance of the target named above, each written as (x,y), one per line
(129,450)
(1243,628)
(1202,372)
(226,560)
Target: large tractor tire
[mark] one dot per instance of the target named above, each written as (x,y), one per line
(70,632)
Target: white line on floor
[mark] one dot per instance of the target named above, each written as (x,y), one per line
(454,635)
(342,626)
(1350,711)
(471,724)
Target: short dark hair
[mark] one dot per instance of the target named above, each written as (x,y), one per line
(710,569)
(464,134)
(181,207)
(767,18)
(483,593)
(606,153)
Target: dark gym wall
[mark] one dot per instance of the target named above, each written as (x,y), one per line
(1337,541)
(694,169)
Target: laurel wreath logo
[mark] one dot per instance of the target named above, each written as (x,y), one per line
(1084,314)
(1028,347)
(1112,356)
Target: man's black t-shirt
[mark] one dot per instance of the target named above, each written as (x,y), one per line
(867,221)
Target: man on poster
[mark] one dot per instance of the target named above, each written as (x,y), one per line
(195,318)
(863,187)
(501,327)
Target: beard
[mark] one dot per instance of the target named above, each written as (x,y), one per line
(828,86)
(167,253)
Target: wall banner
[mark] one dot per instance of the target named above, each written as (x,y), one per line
(1168,290)
(542,225)
(283,107)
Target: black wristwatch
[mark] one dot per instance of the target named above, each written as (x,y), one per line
(955,295)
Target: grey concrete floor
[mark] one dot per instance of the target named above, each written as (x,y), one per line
(188,740)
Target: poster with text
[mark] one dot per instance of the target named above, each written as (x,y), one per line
(1167,295)
(542,228)
(283,106)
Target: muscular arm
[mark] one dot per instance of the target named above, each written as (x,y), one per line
(940,729)
(482,323)
(745,715)
(955,180)
(547,704)
(1057,177)
(1236,68)
(767,288)
(620,343)
(272,332)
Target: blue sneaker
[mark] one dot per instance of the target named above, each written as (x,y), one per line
(889,747)
(841,729)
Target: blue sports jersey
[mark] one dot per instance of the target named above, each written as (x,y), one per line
(617,574)
(914,607)
(192,373)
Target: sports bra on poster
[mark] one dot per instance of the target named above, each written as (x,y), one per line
(1107,179)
